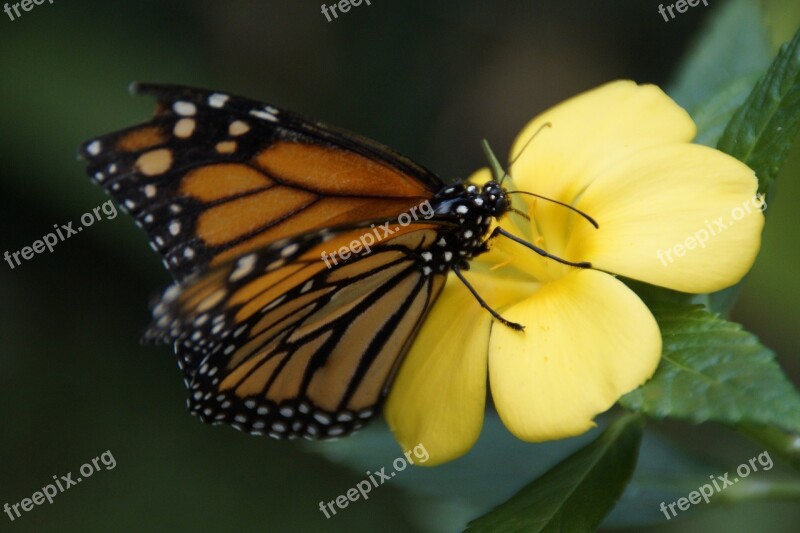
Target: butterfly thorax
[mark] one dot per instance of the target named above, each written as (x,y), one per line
(470,209)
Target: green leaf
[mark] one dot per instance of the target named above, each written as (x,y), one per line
(448,497)
(714,114)
(734,46)
(712,369)
(762,130)
(577,493)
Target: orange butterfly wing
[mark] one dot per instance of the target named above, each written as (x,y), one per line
(213,176)
(241,199)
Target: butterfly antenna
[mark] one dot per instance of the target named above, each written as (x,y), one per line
(498,172)
(524,146)
(575,209)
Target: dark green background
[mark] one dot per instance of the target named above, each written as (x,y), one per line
(428,78)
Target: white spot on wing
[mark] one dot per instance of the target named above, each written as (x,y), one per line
(186,109)
(94,147)
(217,100)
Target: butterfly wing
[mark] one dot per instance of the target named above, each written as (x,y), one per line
(213,176)
(276,342)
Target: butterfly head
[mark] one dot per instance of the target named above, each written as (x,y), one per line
(495,198)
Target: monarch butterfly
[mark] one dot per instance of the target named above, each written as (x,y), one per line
(243,200)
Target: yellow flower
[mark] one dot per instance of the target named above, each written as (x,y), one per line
(670,213)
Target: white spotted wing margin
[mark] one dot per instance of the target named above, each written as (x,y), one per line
(277,343)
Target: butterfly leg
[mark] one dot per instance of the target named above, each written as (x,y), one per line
(500,231)
(495,314)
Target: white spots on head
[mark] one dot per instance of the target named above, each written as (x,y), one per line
(94,148)
(268,113)
(243,267)
(186,109)
(150,190)
(238,127)
(174,228)
(154,162)
(218,100)
(478,201)
(225,147)
(462,209)
(472,188)
(184,128)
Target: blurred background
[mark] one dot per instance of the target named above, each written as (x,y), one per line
(427,78)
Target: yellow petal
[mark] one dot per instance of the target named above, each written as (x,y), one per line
(439,395)
(588,340)
(681,216)
(591,131)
